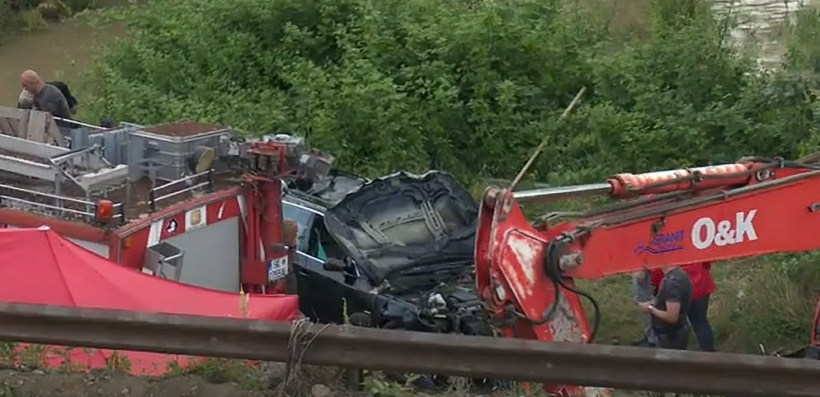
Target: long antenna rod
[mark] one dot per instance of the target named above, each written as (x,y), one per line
(546,137)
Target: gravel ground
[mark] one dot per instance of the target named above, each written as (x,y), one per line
(40,384)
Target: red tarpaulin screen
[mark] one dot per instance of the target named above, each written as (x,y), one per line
(38,266)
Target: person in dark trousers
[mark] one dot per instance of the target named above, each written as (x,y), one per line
(670,309)
(703,285)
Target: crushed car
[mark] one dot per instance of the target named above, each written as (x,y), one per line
(394,252)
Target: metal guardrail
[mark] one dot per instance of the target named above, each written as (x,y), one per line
(403,351)
(79,123)
(153,199)
(58,207)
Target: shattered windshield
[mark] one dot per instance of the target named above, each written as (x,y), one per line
(403,219)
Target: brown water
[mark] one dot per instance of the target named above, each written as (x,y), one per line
(61,52)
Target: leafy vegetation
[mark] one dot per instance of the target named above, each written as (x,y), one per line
(472,86)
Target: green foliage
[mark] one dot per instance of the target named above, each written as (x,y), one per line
(472,87)
(466,86)
(5,18)
(31,21)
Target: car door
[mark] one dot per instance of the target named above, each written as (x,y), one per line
(324,296)
(304,218)
(329,289)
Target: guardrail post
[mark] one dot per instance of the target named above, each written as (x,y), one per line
(354,377)
(152,204)
(211,180)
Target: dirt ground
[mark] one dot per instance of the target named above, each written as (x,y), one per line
(208,381)
(40,384)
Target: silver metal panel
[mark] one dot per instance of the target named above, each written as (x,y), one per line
(169,152)
(97,248)
(173,155)
(28,168)
(106,177)
(211,256)
(164,260)
(136,151)
(114,143)
(30,148)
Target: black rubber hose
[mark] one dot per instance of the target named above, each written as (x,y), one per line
(552,256)
(554,272)
(556,287)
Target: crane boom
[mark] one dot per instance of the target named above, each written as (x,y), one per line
(526,274)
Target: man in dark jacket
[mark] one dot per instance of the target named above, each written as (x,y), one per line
(26,99)
(39,95)
(670,309)
(703,285)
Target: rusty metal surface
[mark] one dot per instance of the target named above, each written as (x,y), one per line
(523,360)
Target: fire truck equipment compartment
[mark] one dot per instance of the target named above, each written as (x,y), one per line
(169,146)
(164,260)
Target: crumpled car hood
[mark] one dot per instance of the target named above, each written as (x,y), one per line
(404,218)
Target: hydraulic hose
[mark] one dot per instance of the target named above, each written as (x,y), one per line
(553,270)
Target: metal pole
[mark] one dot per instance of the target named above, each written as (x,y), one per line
(561,192)
(543,143)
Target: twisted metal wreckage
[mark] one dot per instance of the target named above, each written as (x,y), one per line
(102,189)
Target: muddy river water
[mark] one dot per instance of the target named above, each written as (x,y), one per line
(64,50)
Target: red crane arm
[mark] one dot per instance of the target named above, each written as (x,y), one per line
(525,274)
(748,221)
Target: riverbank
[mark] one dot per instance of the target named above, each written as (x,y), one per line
(61,51)
(35,15)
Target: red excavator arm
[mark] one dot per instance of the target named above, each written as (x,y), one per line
(525,273)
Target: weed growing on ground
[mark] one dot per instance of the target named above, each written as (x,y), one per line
(8,391)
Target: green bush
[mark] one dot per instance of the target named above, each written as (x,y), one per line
(5,19)
(420,83)
(472,87)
